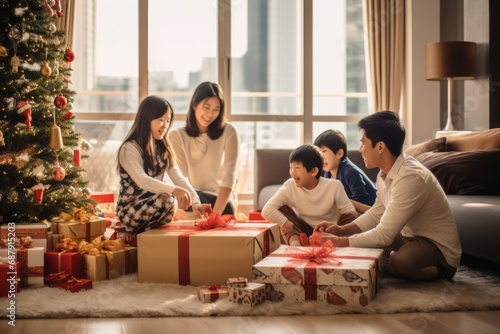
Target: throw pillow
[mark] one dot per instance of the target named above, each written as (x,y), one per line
(465,173)
(477,140)
(433,145)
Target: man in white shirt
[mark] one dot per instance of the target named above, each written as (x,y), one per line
(411,217)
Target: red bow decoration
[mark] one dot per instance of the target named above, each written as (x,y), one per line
(214,287)
(319,251)
(214,220)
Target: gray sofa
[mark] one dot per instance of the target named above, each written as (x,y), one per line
(477,216)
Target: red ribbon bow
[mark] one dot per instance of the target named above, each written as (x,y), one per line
(214,220)
(320,251)
(214,287)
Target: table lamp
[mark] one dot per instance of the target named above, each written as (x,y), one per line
(450,61)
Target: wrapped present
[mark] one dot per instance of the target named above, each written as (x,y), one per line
(106,201)
(237,282)
(348,276)
(110,259)
(31,264)
(55,279)
(53,239)
(63,261)
(9,277)
(255,215)
(210,294)
(37,232)
(112,222)
(253,294)
(180,253)
(80,230)
(75,285)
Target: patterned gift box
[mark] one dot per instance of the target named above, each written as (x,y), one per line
(55,279)
(75,285)
(32,264)
(37,232)
(237,282)
(351,277)
(10,282)
(210,294)
(68,262)
(179,253)
(253,294)
(111,265)
(79,231)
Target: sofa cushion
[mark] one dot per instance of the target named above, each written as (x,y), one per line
(465,173)
(433,145)
(476,140)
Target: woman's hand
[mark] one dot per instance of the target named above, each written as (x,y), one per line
(327,227)
(202,210)
(183,198)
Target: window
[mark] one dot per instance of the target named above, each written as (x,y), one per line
(289,68)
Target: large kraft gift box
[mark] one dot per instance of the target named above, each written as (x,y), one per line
(111,265)
(180,253)
(37,232)
(350,276)
(78,231)
(32,264)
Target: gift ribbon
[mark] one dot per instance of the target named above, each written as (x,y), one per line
(214,220)
(100,246)
(183,245)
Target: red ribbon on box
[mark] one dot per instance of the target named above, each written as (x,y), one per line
(183,246)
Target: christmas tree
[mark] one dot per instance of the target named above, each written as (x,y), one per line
(40,175)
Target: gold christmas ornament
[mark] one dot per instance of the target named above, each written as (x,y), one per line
(45,70)
(3,51)
(56,142)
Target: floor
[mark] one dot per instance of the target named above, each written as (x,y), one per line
(484,322)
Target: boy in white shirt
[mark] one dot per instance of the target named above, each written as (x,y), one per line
(306,199)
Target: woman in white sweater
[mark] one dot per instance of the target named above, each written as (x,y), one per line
(145,156)
(207,149)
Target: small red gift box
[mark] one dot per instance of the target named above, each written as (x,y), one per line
(56,279)
(209,294)
(255,215)
(75,285)
(69,262)
(10,282)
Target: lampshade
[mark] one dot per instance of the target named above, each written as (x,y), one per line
(455,60)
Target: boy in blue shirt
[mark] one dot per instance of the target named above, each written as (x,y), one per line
(359,188)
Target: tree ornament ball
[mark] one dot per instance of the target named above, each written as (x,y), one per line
(52,28)
(60,101)
(3,51)
(71,190)
(58,173)
(86,192)
(69,56)
(46,71)
(85,146)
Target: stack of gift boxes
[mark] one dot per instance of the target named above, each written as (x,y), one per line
(244,262)
(69,253)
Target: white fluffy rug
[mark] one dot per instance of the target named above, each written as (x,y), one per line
(125,297)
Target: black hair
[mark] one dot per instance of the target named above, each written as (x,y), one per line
(204,91)
(309,156)
(334,140)
(152,107)
(384,126)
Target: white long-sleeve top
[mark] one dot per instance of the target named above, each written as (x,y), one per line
(208,164)
(410,200)
(130,157)
(326,202)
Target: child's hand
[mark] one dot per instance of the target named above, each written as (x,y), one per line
(183,198)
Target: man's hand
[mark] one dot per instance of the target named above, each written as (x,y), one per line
(327,227)
(202,210)
(337,241)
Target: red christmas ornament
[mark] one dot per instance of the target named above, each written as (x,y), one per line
(24,108)
(76,157)
(69,56)
(65,117)
(60,101)
(58,173)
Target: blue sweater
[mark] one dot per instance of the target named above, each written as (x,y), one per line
(356,184)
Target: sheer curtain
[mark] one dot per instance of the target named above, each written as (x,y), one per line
(385,32)
(67,22)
